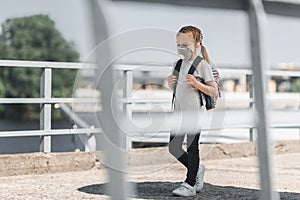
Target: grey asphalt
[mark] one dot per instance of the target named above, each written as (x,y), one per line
(235,178)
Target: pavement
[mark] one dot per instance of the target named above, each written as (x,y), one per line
(229,178)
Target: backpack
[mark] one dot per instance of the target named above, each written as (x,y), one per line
(210,101)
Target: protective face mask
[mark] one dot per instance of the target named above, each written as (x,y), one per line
(184,52)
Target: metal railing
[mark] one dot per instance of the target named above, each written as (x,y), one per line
(128,101)
(46,100)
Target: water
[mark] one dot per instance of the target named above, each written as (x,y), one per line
(11,145)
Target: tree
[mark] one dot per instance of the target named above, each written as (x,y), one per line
(295,85)
(33,38)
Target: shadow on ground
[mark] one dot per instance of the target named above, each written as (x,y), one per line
(162,190)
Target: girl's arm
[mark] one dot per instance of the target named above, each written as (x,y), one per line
(210,88)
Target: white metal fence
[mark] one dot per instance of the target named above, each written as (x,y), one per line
(46,100)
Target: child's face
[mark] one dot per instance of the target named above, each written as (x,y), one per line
(186,41)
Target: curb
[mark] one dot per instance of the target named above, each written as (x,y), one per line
(40,163)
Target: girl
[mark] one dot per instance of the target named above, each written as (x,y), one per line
(189,42)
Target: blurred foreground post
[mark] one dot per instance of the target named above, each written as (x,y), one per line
(114,154)
(260,64)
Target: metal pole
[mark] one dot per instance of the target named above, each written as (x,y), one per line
(117,186)
(45,111)
(251,105)
(127,89)
(259,63)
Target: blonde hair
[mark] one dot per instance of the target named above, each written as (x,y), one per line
(198,37)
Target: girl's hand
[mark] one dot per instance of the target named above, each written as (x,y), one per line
(191,80)
(172,81)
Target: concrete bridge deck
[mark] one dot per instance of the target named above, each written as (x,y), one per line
(232,177)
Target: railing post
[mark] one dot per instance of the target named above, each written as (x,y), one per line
(127,89)
(45,108)
(251,104)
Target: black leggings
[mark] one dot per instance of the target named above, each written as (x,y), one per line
(189,159)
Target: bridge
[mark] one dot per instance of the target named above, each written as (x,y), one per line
(110,127)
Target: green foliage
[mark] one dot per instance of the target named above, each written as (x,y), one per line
(3,47)
(295,86)
(2,94)
(33,38)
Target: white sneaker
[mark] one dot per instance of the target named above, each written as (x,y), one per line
(185,190)
(199,179)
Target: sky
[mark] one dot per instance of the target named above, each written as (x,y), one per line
(226,33)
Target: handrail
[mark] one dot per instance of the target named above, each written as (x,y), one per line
(45,64)
(51,132)
(47,100)
(134,67)
(275,7)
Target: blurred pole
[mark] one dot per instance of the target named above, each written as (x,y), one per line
(259,64)
(117,187)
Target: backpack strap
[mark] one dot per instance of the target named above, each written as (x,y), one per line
(177,68)
(176,73)
(192,70)
(194,65)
